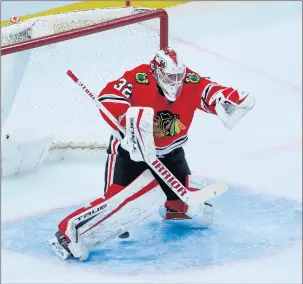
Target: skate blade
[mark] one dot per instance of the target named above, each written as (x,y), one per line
(58,249)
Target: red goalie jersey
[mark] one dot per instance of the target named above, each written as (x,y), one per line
(172,121)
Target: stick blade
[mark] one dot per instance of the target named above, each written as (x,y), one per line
(213,190)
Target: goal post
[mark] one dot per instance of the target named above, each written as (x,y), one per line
(42,112)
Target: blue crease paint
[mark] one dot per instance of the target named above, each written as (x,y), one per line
(247,225)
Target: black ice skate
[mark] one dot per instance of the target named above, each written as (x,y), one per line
(59,245)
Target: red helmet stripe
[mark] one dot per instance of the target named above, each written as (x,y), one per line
(172,54)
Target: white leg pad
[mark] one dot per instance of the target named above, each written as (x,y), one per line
(135,203)
(202,215)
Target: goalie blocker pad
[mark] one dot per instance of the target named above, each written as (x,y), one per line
(104,219)
(139,125)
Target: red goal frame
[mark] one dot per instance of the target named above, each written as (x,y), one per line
(96,28)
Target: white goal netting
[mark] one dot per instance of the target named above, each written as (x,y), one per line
(48,103)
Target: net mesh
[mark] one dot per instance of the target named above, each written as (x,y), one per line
(48,103)
(64,22)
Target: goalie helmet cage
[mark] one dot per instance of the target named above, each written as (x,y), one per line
(38,98)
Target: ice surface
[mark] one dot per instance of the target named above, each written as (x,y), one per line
(247,225)
(255,46)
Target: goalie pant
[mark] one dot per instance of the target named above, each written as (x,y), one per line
(121,170)
(132,194)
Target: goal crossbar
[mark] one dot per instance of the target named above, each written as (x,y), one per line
(95,28)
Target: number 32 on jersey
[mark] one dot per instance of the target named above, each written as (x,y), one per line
(124,87)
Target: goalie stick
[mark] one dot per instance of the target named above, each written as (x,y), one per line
(187,196)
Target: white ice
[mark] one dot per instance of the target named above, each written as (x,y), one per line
(255,46)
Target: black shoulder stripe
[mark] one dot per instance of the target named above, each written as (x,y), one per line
(101,99)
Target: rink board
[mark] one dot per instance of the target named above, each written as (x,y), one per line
(247,226)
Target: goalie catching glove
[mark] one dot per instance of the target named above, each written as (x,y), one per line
(231,105)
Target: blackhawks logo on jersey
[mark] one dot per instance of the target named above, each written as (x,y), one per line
(141,78)
(167,124)
(192,78)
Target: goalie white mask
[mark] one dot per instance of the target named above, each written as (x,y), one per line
(169,72)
